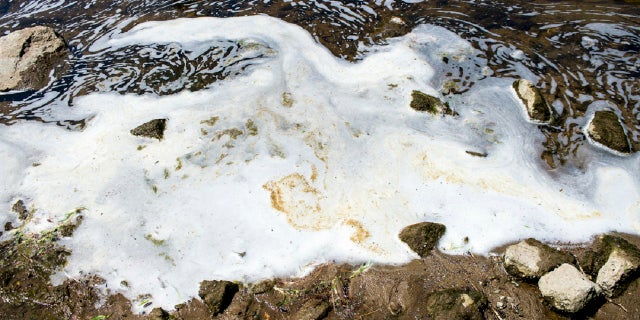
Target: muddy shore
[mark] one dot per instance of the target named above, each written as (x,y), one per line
(331,291)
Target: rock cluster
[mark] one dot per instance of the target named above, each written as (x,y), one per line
(613,265)
(27,57)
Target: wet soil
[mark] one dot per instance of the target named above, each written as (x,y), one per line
(331,291)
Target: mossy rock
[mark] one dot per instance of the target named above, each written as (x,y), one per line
(151,129)
(537,108)
(423,102)
(217,295)
(422,237)
(456,304)
(605,129)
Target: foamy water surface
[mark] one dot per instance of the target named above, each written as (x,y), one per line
(279,156)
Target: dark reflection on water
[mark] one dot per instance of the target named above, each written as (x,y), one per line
(577,52)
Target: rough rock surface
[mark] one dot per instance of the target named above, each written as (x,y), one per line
(537,108)
(422,237)
(27,57)
(621,266)
(423,102)
(605,129)
(314,309)
(151,129)
(455,304)
(567,289)
(217,295)
(530,259)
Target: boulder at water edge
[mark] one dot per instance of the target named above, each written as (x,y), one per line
(530,259)
(422,237)
(621,266)
(567,289)
(28,56)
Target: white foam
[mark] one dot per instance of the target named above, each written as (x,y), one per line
(340,163)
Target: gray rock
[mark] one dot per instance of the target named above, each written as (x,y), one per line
(423,102)
(217,295)
(27,57)
(151,129)
(567,289)
(422,237)
(313,309)
(606,130)
(455,304)
(622,263)
(530,259)
(537,108)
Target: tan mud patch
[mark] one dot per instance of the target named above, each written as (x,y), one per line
(294,196)
(360,234)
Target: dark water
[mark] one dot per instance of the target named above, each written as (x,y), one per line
(578,52)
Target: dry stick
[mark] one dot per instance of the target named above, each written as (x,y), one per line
(370,313)
(617,304)
(497,314)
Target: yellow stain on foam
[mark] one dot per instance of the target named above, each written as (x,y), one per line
(294,196)
(434,169)
(301,203)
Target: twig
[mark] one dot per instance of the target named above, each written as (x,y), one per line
(497,314)
(617,304)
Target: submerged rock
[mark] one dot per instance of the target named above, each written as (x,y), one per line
(27,57)
(456,304)
(537,108)
(151,129)
(567,289)
(422,237)
(605,129)
(423,102)
(217,295)
(530,259)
